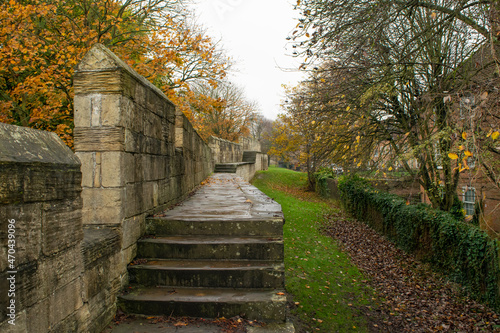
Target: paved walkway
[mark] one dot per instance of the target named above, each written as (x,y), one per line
(226,197)
(221,198)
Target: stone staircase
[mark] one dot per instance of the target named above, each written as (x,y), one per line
(219,254)
(226,167)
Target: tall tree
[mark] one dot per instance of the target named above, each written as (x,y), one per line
(385,83)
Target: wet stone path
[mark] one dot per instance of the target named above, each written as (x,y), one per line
(217,254)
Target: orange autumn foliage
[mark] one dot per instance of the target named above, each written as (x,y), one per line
(41,41)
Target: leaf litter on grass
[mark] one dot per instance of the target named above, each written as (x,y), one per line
(416,299)
(406,296)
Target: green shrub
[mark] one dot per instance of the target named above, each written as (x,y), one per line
(461,250)
(321,177)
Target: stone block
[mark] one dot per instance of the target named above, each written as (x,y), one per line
(132,229)
(98,245)
(134,142)
(88,164)
(57,271)
(140,95)
(117,169)
(28,291)
(151,146)
(149,192)
(134,204)
(101,82)
(37,317)
(28,233)
(82,110)
(101,310)
(51,182)
(103,205)
(129,254)
(111,111)
(96,279)
(61,225)
(99,139)
(64,302)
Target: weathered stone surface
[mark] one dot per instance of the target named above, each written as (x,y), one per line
(132,229)
(64,301)
(28,232)
(61,225)
(99,139)
(116,168)
(37,317)
(27,145)
(103,205)
(20,327)
(99,244)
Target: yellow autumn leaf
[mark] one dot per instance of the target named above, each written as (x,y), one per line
(348,108)
(313,122)
(358,138)
(453,156)
(464,136)
(468,153)
(390,169)
(495,135)
(461,148)
(359,164)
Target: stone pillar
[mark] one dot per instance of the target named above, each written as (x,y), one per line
(124,132)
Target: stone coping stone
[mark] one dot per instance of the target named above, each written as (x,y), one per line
(28,145)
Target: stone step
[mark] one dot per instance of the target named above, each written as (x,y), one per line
(209,273)
(225,168)
(249,156)
(262,305)
(218,227)
(211,247)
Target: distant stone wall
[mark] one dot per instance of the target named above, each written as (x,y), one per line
(250,144)
(225,151)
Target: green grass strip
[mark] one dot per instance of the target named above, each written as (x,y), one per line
(328,290)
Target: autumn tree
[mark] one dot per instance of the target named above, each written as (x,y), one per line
(41,41)
(384,84)
(261,130)
(229,115)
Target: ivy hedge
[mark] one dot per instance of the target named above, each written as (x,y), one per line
(460,250)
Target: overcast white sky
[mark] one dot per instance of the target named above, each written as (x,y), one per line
(253,32)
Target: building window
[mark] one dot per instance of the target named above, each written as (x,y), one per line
(469,200)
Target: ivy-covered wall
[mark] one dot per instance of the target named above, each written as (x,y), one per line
(461,250)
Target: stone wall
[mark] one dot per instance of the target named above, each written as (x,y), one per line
(225,151)
(40,190)
(139,156)
(77,228)
(250,144)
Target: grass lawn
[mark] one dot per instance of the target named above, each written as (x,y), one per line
(329,293)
